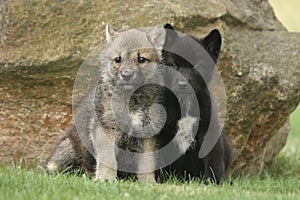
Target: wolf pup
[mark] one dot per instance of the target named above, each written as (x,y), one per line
(127,115)
(212,167)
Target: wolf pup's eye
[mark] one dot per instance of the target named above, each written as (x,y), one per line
(142,59)
(173,65)
(117,59)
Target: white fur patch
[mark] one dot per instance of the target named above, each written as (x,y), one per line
(136,118)
(185,136)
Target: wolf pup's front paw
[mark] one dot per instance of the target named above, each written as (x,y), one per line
(106,174)
(146,177)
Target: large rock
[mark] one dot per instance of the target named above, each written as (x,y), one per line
(43,43)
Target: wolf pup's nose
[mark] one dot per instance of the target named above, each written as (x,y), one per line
(182,84)
(127,74)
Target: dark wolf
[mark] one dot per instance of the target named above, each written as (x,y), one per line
(212,167)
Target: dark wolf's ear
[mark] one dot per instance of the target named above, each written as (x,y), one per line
(168,26)
(171,35)
(212,43)
(110,32)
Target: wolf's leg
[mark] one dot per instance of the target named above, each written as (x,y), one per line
(106,162)
(149,161)
(214,169)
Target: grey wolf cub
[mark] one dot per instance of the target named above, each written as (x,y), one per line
(212,167)
(127,115)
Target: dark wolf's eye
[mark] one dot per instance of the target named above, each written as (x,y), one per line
(117,59)
(173,65)
(142,59)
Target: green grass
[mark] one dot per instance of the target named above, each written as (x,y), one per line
(280,180)
(292,147)
(18,183)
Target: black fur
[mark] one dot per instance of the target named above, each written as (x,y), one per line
(213,167)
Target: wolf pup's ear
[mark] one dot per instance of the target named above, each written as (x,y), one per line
(168,26)
(157,37)
(110,32)
(171,35)
(212,43)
